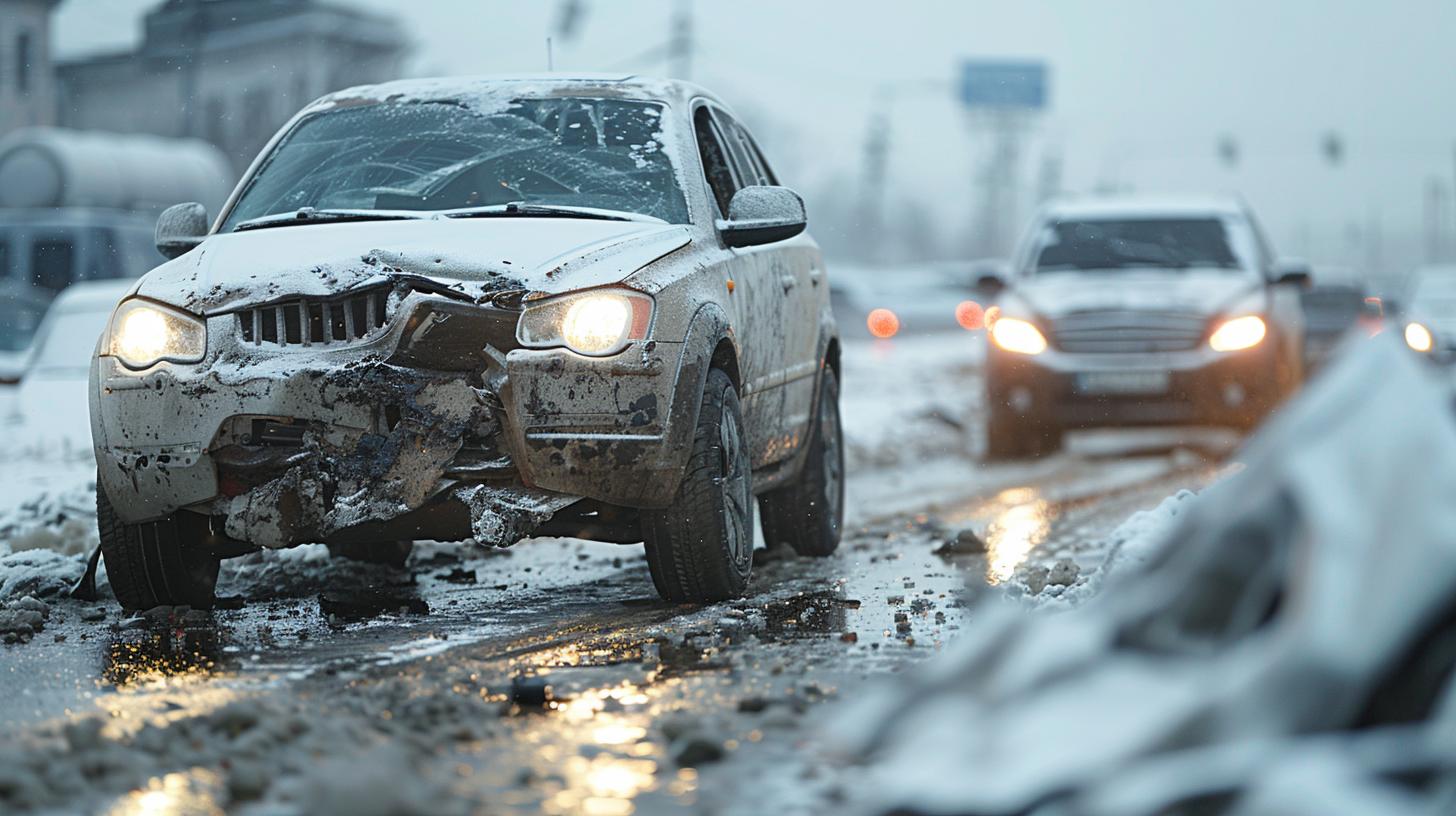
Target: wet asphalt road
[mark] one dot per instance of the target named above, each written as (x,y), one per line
(548,677)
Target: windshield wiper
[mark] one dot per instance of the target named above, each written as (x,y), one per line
(309,215)
(520,209)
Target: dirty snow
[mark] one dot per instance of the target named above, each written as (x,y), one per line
(1330,560)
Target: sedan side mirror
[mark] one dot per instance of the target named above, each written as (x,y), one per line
(180,228)
(762,215)
(1293,271)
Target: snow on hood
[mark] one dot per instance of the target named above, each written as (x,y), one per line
(477,255)
(1055,294)
(1274,609)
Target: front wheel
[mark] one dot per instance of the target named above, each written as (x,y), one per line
(700,547)
(1010,436)
(157,563)
(808,513)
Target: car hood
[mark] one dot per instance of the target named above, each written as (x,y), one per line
(474,256)
(1199,292)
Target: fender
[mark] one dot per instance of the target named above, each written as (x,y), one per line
(709,326)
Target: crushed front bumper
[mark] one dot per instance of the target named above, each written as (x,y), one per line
(1200,387)
(431,429)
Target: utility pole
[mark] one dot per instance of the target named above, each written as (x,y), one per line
(680,46)
(872,238)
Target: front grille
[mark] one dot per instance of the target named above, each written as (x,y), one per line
(316,321)
(1128,332)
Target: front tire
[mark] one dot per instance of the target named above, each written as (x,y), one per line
(700,547)
(1010,436)
(158,563)
(809,513)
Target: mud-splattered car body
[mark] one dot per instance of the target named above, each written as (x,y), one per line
(371,379)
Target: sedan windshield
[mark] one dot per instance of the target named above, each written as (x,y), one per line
(1161,243)
(603,154)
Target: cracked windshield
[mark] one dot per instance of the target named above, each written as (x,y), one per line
(644,407)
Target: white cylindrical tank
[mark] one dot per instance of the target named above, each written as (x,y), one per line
(56,167)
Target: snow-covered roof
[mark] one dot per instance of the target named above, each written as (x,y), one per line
(1144,206)
(483,90)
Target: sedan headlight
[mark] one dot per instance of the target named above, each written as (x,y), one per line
(1017,335)
(1238,333)
(1418,337)
(144,333)
(596,324)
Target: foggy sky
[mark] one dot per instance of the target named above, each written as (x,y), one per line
(1141,91)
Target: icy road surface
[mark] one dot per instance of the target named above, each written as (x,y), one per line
(548,677)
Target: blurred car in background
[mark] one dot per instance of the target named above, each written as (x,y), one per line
(82,206)
(870,303)
(1139,311)
(1429,316)
(1335,305)
(50,408)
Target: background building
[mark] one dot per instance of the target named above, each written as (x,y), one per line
(226,71)
(27,84)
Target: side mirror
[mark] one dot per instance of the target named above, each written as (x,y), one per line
(180,228)
(763,215)
(1293,271)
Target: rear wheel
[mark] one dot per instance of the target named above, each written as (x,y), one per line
(157,563)
(807,514)
(700,547)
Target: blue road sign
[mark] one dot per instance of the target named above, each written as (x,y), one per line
(1003,85)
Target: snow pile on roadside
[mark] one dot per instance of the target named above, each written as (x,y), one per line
(1302,596)
(1130,546)
(47,526)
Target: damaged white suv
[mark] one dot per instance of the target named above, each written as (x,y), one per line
(477,309)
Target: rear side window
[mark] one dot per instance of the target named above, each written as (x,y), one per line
(716,167)
(751,165)
(52,261)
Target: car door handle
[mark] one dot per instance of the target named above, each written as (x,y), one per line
(816,275)
(788,281)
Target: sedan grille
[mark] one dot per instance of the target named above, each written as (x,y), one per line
(316,321)
(1128,332)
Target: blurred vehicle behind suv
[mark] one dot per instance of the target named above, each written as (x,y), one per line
(1429,316)
(1337,304)
(82,206)
(1139,311)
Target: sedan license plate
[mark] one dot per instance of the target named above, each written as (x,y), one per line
(1123,382)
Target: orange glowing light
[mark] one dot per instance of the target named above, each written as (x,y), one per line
(883,323)
(991,316)
(970,315)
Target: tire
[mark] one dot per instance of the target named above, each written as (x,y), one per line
(388,553)
(808,514)
(1010,437)
(700,547)
(158,563)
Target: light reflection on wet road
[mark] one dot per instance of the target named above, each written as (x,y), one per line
(603,694)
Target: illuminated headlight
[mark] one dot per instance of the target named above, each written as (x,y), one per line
(1418,337)
(596,324)
(1016,335)
(1238,333)
(144,333)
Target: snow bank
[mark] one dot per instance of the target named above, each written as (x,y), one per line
(1298,596)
